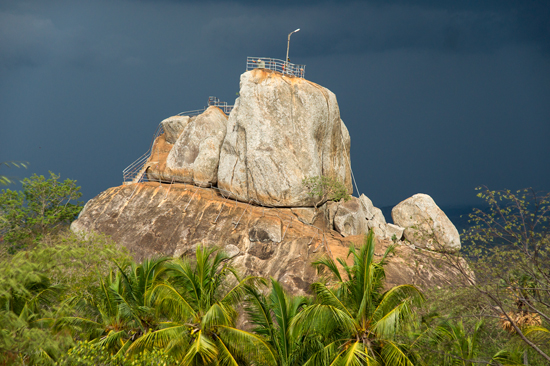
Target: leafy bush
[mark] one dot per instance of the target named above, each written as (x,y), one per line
(89,354)
(326,188)
(38,286)
(43,206)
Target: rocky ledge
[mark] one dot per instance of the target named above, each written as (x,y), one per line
(152,219)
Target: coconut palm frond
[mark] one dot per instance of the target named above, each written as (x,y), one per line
(462,344)
(509,357)
(182,276)
(218,314)
(326,296)
(328,264)
(125,310)
(125,345)
(159,339)
(114,340)
(353,355)
(259,312)
(43,357)
(323,319)
(171,302)
(367,279)
(533,329)
(390,323)
(77,325)
(153,269)
(226,357)
(394,297)
(395,354)
(538,334)
(237,292)
(250,344)
(323,356)
(202,351)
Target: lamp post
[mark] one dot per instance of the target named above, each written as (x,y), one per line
(288,46)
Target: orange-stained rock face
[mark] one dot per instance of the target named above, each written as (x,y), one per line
(281,131)
(151,219)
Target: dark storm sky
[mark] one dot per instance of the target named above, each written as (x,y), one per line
(439,96)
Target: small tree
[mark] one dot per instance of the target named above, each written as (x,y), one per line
(325,188)
(43,205)
(509,245)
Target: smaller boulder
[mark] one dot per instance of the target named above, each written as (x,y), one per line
(196,153)
(349,218)
(173,127)
(392,229)
(426,225)
(378,223)
(368,207)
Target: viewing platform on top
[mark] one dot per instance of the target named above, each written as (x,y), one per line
(284,67)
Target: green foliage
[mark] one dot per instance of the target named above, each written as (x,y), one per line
(27,339)
(510,245)
(360,322)
(123,309)
(38,286)
(89,354)
(198,300)
(325,188)
(43,206)
(272,317)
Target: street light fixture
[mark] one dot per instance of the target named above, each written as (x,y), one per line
(288,44)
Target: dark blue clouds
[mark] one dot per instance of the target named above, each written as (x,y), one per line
(439,96)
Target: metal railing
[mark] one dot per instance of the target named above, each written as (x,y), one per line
(137,168)
(134,173)
(226,108)
(281,66)
(212,101)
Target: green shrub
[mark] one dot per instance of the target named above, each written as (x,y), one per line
(326,188)
(89,354)
(42,206)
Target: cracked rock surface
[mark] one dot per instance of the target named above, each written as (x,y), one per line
(152,219)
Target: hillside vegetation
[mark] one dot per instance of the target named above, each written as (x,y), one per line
(69,299)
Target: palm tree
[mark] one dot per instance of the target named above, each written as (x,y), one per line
(358,320)
(198,300)
(124,309)
(272,316)
(461,347)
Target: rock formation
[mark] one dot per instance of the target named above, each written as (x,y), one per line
(253,203)
(173,127)
(282,130)
(357,216)
(153,219)
(195,154)
(426,225)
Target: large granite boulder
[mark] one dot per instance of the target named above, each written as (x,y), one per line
(152,219)
(195,155)
(173,127)
(281,130)
(426,225)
